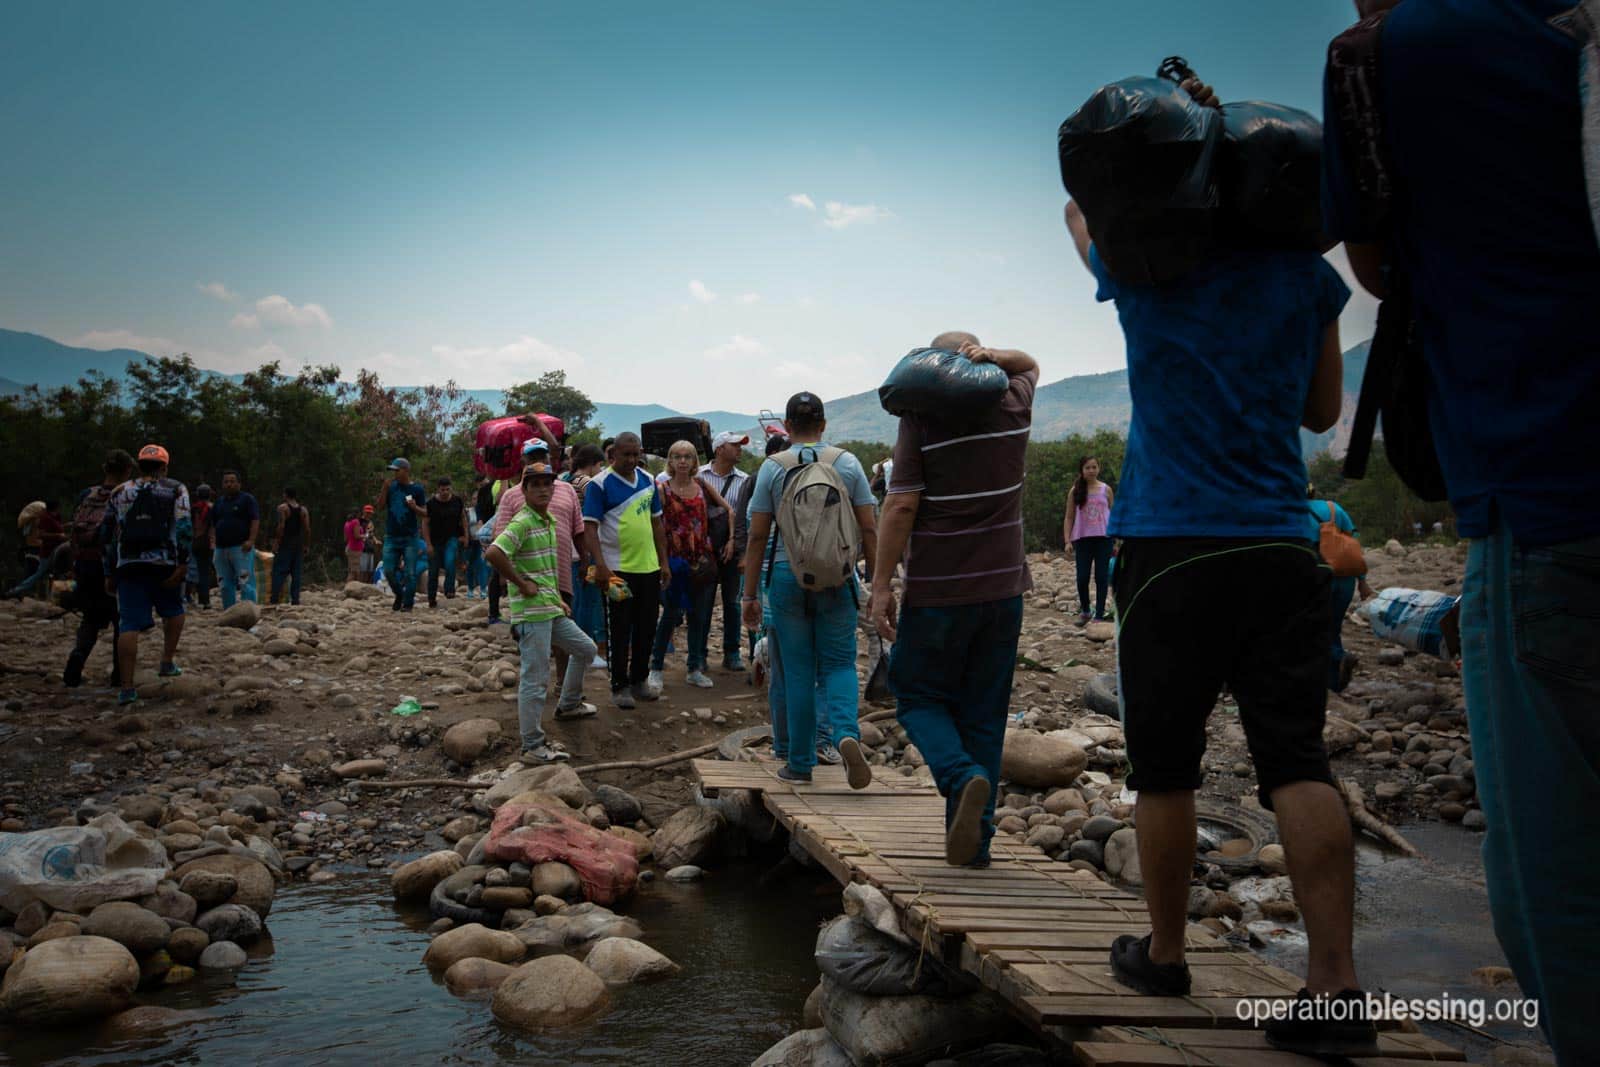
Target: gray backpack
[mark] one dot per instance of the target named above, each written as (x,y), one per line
(816,521)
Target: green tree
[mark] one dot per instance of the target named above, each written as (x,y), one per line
(551,394)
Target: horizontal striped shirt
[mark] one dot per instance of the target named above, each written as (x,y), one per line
(529,542)
(966,544)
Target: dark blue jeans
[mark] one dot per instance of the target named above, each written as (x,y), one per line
(1093,553)
(1344,590)
(950,669)
(287,564)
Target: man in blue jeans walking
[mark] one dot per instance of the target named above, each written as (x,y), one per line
(235,521)
(404,506)
(954,516)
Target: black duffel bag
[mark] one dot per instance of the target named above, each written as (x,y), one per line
(942,384)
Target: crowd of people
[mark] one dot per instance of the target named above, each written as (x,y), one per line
(594,564)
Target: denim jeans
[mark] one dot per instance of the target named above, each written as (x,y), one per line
(477,566)
(1530,649)
(444,557)
(399,566)
(533,644)
(702,602)
(816,635)
(236,568)
(1344,590)
(950,670)
(588,611)
(777,698)
(287,564)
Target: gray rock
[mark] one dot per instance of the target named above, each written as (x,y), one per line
(1101,827)
(169,902)
(1474,820)
(185,945)
(209,888)
(689,835)
(688,872)
(621,807)
(248,805)
(1088,851)
(1122,855)
(230,922)
(223,956)
(142,808)
(129,925)
(556,880)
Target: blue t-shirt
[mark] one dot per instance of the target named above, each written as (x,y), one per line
(624,511)
(400,520)
(1482,118)
(231,517)
(1219,368)
(768,491)
(1341,517)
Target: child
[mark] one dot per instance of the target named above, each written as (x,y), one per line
(525,556)
(1084,529)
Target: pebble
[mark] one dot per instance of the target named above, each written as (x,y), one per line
(1101,827)
(1474,820)
(686,872)
(223,956)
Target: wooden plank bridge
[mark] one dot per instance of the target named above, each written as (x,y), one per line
(1036,931)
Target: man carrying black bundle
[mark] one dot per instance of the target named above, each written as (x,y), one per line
(954,515)
(1224,366)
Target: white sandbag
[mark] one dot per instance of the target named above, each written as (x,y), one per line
(75,868)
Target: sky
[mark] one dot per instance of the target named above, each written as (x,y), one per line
(708,206)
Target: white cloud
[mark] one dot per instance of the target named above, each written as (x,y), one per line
(108,339)
(698,290)
(217,291)
(474,367)
(838,215)
(279,311)
(802,200)
(749,298)
(737,347)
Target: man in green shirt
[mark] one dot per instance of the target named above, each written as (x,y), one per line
(525,556)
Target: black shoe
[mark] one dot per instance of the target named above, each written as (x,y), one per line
(963,838)
(793,776)
(72,674)
(1326,1026)
(1131,965)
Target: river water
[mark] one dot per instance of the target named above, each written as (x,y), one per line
(344,984)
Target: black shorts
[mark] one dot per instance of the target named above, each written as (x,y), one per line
(1194,615)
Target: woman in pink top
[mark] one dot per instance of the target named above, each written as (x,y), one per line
(1084,530)
(355,542)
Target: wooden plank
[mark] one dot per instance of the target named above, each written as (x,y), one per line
(986,941)
(1103,1010)
(942,901)
(1010,956)
(1393,1045)
(1109,1054)
(1207,981)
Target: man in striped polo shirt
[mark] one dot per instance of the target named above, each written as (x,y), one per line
(953,515)
(525,556)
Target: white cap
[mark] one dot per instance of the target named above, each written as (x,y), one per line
(728,437)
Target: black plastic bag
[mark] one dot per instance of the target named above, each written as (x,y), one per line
(861,959)
(1270,177)
(1140,158)
(947,385)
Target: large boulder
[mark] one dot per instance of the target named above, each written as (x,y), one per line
(557,779)
(1039,761)
(535,834)
(222,956)
(466,741)
(620,960)
(230,922)
(472,976)
(1122,856)
(209,888)
(472,941)
(415,880)
(129,925)
(361,591)
(689,836)
(141,807)
(640,843)
(574,926)
(253,883)
(805,1048)
(550,992)
(621,806)
(69,979)
(170,902)
(556,880)
(241,616)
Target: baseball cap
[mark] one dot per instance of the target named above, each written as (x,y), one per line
(155,452)
(538,472)
(806,407)
(398,464)
(535,444)
(366,509)
(728,437)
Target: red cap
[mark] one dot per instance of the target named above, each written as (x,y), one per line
(155,452)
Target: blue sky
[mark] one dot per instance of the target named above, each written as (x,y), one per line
(702,205)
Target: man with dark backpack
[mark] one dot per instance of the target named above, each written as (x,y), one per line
(811,513)
(147,535)
(98,607)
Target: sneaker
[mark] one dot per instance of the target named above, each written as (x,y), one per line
(856,771)
(1083,618)
(793,776)
(623,699)
(963,838)
(169,670)
(493,620)
(826,753)
(699,680)
(72,674)
(599,664)
(732,663)
(543,754)
(655,681)
(645,693)
(580,710)
(1346,1032)
(1131,965)
(127,696)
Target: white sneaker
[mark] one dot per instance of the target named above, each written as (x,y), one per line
(698,679)
(655,681)
(599,664)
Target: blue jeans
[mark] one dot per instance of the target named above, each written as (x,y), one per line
(1344,590)
(701,603)
(1530,649)
(287,564)
(444,556)
(816,635)
(235,566)
(400,556)
(533,644)
(477,567)
(588,609)
(950,670)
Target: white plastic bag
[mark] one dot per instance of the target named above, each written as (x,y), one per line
(75,868)
(1411,618)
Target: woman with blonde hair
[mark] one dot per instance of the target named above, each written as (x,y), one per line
(693,589)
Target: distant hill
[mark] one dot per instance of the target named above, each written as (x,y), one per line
(1081,404)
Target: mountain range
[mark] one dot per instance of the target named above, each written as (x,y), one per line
(1080,404)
